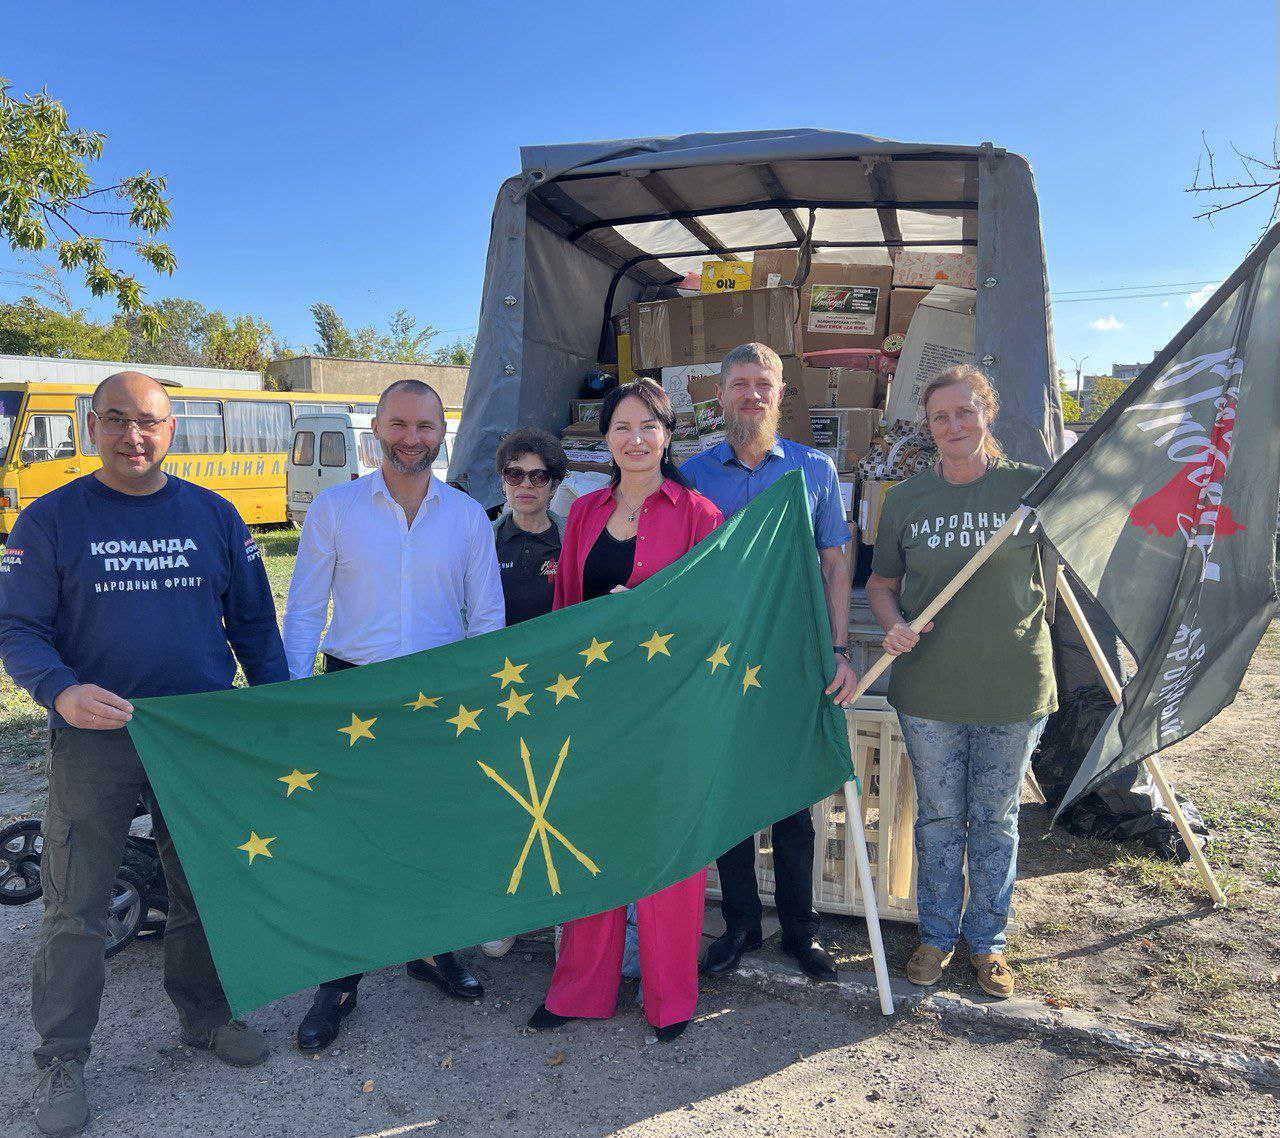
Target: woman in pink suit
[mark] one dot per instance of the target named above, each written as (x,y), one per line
(615,538)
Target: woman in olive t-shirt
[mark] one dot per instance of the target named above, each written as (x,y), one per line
(973,694)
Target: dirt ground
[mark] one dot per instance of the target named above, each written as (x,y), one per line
(758,1060)
(1108,928)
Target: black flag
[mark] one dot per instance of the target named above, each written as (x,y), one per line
(1166,511)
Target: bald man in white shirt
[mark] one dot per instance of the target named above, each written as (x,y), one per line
(409,564)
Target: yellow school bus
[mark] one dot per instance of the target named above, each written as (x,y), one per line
(233,441)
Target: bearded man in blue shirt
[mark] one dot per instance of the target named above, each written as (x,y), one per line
(127,582)
(750,460)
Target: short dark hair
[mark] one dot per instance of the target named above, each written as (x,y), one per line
(658,401)
(414,387)
(540,444)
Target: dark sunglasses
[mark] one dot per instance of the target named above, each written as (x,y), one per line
(515,475)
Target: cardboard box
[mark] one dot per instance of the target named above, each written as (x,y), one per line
(587,410)
(839,387)
(587,454)
(844,433)
(870,507)
(941,337)
(902,306)
(684,443)
(840,305)
(622,338)
(676,380)
(848,489)
(914,269)
(725,276)
(692,330)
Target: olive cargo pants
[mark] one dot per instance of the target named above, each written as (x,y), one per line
(95,780)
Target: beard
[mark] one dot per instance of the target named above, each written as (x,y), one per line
(397,464)
(752,435)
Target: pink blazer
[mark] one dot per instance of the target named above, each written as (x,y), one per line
(672,521)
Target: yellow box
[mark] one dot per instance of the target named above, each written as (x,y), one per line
(725,276)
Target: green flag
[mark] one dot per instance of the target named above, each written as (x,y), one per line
(487,788)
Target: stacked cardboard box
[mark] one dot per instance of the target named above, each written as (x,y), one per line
(941,337)
(840,305)
(697,329)
(726,276)
(912,269)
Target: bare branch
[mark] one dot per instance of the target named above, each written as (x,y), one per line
(1232,205)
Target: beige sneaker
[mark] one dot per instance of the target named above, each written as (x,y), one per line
(995,977)
(926,965)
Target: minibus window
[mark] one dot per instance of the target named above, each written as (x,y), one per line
(366,409)
(333,449)
(199,427)
(10,402)
(84,404)
(369,451)
(304,448)
(47,437)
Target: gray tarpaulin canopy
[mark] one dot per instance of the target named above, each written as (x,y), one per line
(586,228)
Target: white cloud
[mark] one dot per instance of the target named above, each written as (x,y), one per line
(1197,298)
(1164,304)
(1106,324)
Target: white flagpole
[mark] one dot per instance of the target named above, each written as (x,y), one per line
(1152,763)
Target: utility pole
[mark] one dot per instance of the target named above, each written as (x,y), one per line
(1079,366)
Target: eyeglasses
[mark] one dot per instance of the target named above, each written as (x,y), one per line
(515,475)
(116,425)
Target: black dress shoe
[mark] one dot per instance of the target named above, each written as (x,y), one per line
(543,1020)
(319,1027)
(724,953)
(670,1032)
(448,975)
(814,960)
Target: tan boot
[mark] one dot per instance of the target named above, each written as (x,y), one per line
(995,977)
(926,965)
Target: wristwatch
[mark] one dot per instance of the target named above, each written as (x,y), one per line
(841,650)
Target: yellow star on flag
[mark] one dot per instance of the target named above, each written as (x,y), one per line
(595,651)
(465,720)
(718,657)
(749,680)
(657,643)
(256,846)
(359,728)
(510,673)
(516,704)
(563,688)
(422,701)
(297,781)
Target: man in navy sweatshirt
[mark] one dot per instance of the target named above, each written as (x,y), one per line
(127,582)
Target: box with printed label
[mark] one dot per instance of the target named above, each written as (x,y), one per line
(695,329)
(914,269)
(587,410)
(902,307)
(676,381)
(840,305)
(684,441)
(587,454)
(844,433)
(725,276)
(941,337)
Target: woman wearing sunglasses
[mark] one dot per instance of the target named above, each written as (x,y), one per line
(532,464)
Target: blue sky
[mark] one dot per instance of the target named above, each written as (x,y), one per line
(351,154)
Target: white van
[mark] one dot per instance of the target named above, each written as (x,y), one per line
(339,447)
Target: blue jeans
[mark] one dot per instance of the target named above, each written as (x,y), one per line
(968,784)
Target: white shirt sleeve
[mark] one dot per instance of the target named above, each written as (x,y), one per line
(307,609)
(485,607)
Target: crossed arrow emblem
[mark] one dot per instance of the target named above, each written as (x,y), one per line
(536,806)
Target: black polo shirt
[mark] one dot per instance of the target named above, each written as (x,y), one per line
(528,564)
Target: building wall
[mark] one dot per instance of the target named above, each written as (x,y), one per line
(366,377)
(48,369)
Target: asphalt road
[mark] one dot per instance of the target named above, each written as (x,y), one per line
(757,1061)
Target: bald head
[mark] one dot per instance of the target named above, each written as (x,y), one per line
(131,393)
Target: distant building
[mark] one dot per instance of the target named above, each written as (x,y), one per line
(51,369)
(1127,371)
(365,377)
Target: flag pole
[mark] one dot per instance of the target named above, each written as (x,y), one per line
(952,587)
(1152,763)
(871,912)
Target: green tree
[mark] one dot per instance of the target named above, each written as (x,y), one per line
(183,340)
(403,342)
(1071,409)
(243,342)
(1103,391)
(29,328)
(458,353)
(47,196)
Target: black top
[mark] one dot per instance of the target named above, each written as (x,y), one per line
(527,563)
(608,565)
